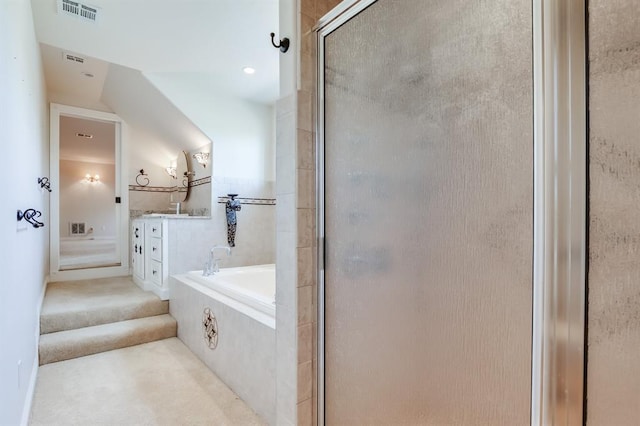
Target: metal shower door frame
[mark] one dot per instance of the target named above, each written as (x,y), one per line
(560,206)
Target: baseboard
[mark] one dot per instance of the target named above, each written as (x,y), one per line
(39,308)
(28,401)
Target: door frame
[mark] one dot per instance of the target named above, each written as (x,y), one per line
(121,190)
(558,383)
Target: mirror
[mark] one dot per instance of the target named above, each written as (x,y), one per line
(182,179)
(87,217)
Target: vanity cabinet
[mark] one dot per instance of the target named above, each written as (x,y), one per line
(151,265)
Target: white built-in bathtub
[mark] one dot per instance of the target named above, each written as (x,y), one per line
(242,301)
(247,288)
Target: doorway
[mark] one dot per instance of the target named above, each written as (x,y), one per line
(88,212)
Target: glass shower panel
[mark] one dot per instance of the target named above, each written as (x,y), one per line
(428,214)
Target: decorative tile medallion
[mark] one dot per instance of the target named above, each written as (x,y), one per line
(210,328)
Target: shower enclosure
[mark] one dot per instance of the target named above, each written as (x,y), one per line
(451,212)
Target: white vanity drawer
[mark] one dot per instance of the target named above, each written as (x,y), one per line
(155,249)
(155,272)
(154,229)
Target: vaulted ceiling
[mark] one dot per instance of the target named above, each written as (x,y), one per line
(120,61)
(217,38)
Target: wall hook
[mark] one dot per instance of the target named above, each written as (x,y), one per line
(283,45)
(144,176)
(44,183)
(29,215)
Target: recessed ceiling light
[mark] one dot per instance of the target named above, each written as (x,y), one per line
(249,70)
(87,74)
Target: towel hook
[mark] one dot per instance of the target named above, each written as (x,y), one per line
(283,45)
(29,215)
(44,183)
(145,181)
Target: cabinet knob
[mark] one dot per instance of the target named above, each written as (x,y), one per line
(155,272)
(153,229)
(155,248)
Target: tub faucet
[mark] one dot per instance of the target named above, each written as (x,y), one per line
(211,267)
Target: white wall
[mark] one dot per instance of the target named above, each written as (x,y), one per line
(88,202)
(23,250)
(242,131)
(158,130)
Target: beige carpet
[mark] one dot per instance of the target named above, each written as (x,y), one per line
(75,304)
(157,383)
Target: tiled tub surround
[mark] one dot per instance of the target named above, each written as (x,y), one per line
(244,357)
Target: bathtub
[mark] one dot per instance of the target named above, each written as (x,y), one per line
(242,301)
(251,286)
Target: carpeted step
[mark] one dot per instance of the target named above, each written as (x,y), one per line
(78,304)
(70,344)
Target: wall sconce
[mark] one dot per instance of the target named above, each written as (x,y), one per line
(92,179)
(171,171)
(202,158)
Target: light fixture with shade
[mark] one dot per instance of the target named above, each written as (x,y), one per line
(202,158)
(92,179)
(171,171)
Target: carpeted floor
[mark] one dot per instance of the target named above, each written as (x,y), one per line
(74,304)
(157,383)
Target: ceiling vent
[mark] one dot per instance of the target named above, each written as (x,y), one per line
(78,10)
(72,58)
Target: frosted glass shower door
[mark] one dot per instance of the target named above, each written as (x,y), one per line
(427,147)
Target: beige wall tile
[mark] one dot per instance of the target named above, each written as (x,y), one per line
(306,228)
(305,111)
(305,370)
(305,345)
(306,184)
(307,46)
(306,272)
(306,150)
(305,305)
(304,413)
(307,73)
(308,7)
